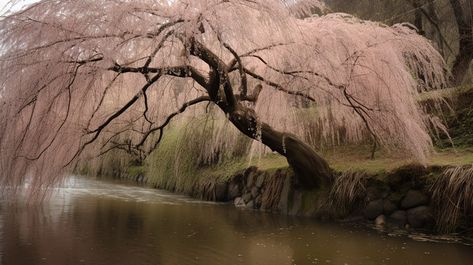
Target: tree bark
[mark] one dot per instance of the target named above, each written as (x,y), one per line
(418,21)
(461,66)
(311,170)
(465,32)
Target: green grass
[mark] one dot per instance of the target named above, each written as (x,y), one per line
(356,158)
(226,169)
(136,170)
(344,159)
(458,157)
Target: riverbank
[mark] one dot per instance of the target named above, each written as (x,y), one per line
(389,190)
(410,197)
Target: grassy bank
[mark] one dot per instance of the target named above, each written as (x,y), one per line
(356,158)
(177,164)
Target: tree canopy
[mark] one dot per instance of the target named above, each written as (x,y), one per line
(76,75)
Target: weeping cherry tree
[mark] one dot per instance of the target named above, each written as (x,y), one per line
(75,76)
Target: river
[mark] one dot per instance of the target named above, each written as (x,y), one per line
(96,222)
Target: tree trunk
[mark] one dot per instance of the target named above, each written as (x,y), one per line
(311,170)
(418,22)
(461,65)
(465,34)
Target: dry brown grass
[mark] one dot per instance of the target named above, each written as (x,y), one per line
(453,196)
(347,190)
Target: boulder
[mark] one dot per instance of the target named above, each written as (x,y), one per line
(254,192)
(246,197)
(413,199)
(374,209)
(395,198)
(285,195)
(235,187)
(233,190)
(260,180)
(250,181)
(399,217)
(239,202)
(420,217)
(380,220)
(373,193)
(389,207)
(250,175)
(258,201)
(250,205)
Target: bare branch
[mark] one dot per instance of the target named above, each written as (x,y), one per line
(243,78)
(58,130)
(96,132)
(278,86)
(168,120)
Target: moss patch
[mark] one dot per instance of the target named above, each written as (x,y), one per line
(136,170)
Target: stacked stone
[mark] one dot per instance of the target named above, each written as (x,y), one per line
(402,199)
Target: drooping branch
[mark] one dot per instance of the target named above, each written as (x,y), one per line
(167,121)
(64,120)
(96,132)
(360,109)
(46,45)
(232,63)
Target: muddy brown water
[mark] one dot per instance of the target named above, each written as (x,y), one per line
(95,222)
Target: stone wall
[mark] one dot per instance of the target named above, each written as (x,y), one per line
(401,198)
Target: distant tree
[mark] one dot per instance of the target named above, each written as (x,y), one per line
(78,75)
(434,19)
(463,11)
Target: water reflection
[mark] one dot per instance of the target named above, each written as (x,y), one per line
(90,222)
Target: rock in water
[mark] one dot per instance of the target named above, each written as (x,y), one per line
(250,204)
(239,202)
(380,220)
(247,197)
